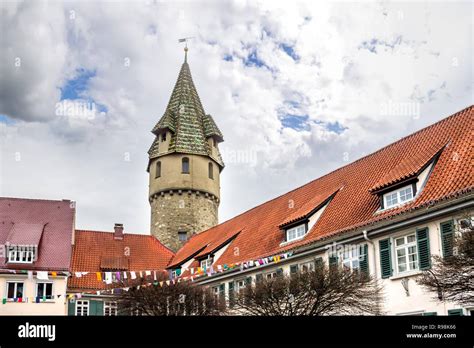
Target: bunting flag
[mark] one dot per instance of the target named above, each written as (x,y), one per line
(133,275)
(54,274)
(42,275)
(99,276)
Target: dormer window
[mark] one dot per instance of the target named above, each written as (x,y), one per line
(163,137)
(295,233)
(206,263)
(21,254)
(397,197)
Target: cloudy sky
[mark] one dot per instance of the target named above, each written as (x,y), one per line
(297,88)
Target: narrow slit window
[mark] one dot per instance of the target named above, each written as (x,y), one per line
(158,169)
(185,165)
(211,171)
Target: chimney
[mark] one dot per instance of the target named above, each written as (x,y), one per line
(118,234)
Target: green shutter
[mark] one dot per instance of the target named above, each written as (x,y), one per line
(364,259)
(455,312)
(332,261)
(96,307)
(447,237)
(248,281)
(279,272)
(231,294)
(71,307)
(318,262)
(385,258)
(258,278)
(423,241)
(429,314)
(293,269)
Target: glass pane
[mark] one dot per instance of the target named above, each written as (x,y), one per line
(40,290)
(402,267)
(49,290)
(355,264)
(400,241)
(411,238)
(19,289)
(401,252)
(11,290)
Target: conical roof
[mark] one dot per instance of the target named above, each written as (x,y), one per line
(184,116)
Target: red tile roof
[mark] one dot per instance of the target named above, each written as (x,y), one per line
(96,251)
(31,221)
(354,205)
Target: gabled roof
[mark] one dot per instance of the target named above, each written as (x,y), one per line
(410,166)
(96,251)
(184,116)
(46,223)
(353,206)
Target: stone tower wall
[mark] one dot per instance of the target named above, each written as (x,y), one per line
(189,211)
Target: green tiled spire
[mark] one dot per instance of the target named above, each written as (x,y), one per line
(185,118)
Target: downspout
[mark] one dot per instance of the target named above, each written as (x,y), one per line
(364,232)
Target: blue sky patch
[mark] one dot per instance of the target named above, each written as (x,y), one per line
(289,50)
(335,127)
(77,87)
(296,122)
(6,120)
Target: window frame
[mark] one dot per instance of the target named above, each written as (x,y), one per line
(208,263)
(82,304)
(15,289)
(19,254)
(158,170)
(351,258)
(295,229)
(406,247)
(398,195)
(44,283)
(182,233)
(210,170)
(111,305)
(185,160)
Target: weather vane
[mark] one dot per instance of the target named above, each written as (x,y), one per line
(185,40)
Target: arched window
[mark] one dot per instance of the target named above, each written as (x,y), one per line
(185,165)
(211,171)
(158,169)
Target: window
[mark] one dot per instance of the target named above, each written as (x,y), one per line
(399,196)
(307,267)
(185,165)
(294,233)
(211,171)
(82,307)
(14,290)
(271,275)
(240,285)
(206,263)
(21,254)
(44,291)
(350,258)
(182,236)
(406,253)
(163,137)
(158,169)
(110,308)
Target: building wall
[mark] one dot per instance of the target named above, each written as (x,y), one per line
(57,306)
(191,212)
(396,301)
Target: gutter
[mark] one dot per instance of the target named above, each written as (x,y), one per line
(467,202)
(370,241)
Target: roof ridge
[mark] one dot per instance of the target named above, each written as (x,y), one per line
(352,163)
(37,199)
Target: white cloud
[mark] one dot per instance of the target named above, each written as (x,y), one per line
(418,53)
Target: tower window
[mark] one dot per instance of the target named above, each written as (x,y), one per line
(158,169)
(163,137)
(185,165)
(211,171)
(214,142)
(182,236)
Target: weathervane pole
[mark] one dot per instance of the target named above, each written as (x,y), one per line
(185,40)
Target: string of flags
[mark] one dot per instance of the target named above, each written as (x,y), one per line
(119,276)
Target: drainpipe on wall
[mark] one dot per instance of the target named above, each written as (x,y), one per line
(364,232)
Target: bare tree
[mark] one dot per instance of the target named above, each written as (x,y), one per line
(323,291)
(181,298)
(451,278)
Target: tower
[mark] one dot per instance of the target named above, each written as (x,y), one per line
(184,166)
